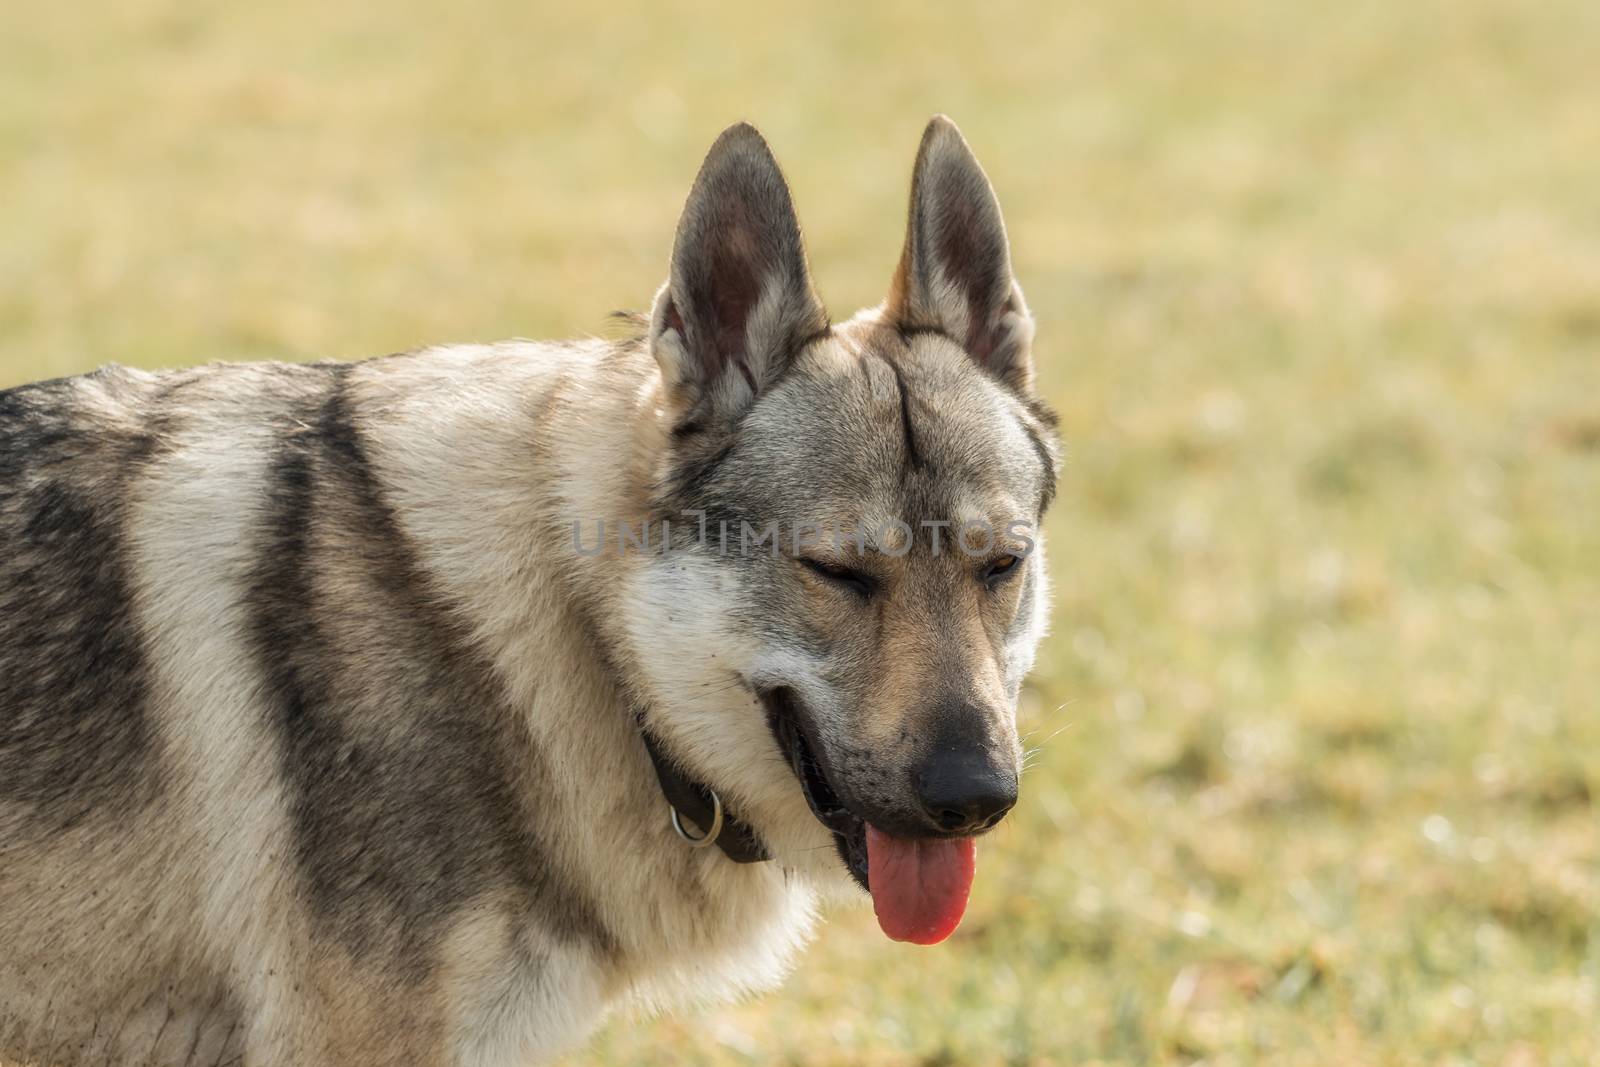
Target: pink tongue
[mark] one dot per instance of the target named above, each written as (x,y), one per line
(919,888)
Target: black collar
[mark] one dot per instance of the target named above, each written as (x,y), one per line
(695,802)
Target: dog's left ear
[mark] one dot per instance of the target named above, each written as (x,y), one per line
(739,304)
(955,273)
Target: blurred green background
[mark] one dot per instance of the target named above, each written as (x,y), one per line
(1318,290)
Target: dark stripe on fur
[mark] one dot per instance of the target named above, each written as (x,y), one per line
(1043,414)
(395,734)
(812,338)
(908,332)
(913,457)
(693,475)
(75,734)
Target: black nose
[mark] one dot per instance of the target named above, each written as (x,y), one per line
(964,792)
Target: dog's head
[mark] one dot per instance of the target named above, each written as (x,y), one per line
(856,584)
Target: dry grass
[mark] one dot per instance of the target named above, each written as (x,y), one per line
(1319,291)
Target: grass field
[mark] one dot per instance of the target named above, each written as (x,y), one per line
(1319,300)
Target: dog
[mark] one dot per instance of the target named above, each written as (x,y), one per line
(431,708)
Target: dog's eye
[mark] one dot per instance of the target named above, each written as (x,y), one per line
(1001,569)
(855,581)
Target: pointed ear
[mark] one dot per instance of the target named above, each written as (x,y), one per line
(738,304)
(955,273)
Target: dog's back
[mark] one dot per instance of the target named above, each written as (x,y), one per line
(128,530)
(75,737)
(79,459)
(231,718)
(93,867)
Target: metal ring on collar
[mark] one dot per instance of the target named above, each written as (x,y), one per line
(711,835)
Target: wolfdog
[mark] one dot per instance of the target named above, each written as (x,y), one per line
(332,735)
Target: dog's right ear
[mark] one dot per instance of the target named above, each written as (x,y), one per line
(738,304)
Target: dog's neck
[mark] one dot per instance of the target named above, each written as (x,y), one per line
(578,444)
(636,424)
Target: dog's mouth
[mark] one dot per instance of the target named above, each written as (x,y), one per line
(919,886)
(849,830)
